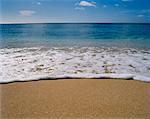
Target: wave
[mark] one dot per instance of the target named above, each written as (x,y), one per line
(83,76)
(25,64)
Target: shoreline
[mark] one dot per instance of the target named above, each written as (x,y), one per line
(76,99)
(39,63)
(85,76)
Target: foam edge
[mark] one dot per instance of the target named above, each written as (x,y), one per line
(83,76)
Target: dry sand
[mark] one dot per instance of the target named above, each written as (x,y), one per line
(75,99)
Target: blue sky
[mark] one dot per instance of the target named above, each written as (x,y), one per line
(29,11)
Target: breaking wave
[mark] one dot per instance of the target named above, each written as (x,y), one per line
(24,64)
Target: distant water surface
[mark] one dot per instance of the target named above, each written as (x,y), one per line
(82,35)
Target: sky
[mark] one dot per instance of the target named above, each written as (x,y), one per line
(74,11)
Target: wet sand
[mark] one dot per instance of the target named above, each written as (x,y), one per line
(75,99)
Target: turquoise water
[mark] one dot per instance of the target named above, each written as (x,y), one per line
(46,51)
(86,35)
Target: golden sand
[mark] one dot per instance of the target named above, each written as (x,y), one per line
(75,99)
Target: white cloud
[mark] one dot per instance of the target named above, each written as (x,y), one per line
(126,0)
(116,5)
(87,4)
(26,12)
(104,6)
(145,11)
(79,8)
(140,12)
(140,15)
(38,3)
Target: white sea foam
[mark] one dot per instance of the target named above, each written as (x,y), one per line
(22,64)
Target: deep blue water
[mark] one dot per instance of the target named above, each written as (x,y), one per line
(86,35)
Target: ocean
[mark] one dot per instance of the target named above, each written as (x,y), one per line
(82,35)
(47,51)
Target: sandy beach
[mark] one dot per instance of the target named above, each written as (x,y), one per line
(75,99)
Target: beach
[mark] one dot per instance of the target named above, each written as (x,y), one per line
(75,99)
(75,71)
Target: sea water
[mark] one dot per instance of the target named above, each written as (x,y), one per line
(49,51)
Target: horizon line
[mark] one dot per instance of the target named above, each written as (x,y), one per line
(76,23)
